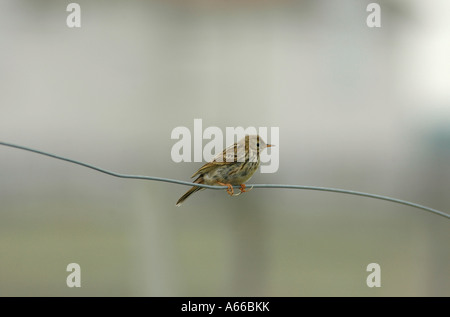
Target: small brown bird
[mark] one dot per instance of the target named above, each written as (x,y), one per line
(234,166)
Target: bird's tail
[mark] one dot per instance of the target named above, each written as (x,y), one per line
(190,191)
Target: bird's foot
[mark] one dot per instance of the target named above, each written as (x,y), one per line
(230,189)
(244,189)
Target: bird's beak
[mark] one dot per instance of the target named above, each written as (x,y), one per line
(269,145)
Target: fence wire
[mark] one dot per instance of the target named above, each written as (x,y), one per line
(279,186)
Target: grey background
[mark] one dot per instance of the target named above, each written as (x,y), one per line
(358,108)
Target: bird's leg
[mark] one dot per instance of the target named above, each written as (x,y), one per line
(230,189)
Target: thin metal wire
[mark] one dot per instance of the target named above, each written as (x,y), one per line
(175,181)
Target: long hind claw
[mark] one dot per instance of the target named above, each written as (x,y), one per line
(238,193)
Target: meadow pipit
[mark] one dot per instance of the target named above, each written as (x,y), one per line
(234,166)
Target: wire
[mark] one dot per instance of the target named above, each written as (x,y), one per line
(175,181)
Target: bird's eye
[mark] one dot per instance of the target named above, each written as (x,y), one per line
(257,144)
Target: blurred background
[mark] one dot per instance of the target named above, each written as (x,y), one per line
(358,108)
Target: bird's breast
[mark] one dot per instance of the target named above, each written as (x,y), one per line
(236,173)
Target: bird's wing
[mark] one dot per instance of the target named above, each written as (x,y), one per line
(233,153)
(208,167)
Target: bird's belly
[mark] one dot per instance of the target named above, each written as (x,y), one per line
(235,174)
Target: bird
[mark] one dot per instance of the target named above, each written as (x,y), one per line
(233,166)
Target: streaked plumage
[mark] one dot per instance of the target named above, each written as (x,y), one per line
(233,166)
